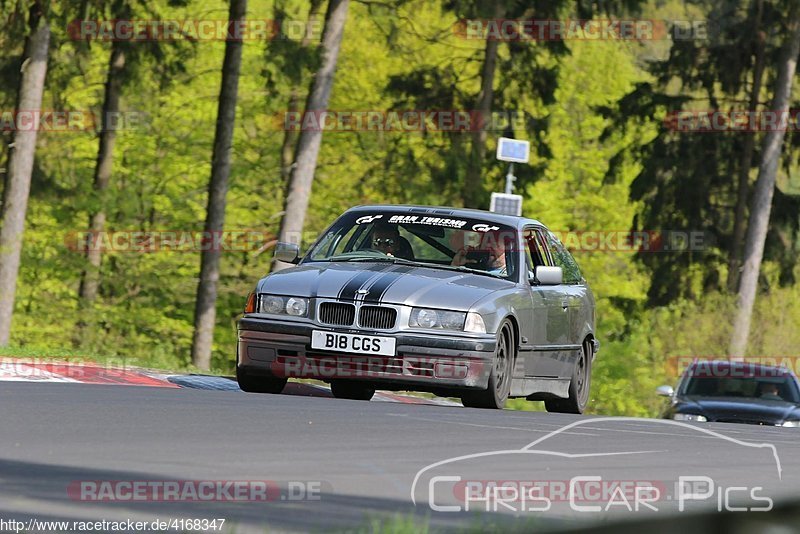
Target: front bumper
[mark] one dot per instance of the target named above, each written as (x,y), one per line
(271,347)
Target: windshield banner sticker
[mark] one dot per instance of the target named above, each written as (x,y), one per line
(366,219)
(431,221)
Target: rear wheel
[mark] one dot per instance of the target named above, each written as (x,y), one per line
(578,386)
(259,384)
(343,389)
(495,396)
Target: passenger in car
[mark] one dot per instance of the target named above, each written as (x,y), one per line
(489,255)
(769,391)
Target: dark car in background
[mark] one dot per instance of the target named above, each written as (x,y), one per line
(735,392)
(461,303)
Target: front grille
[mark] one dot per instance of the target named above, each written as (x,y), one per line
(337,313)
(377,317)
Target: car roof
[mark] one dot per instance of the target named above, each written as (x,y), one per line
(489,216)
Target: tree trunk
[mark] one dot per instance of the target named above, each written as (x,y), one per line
(205,306)
(746,161)
(473,183)
(90,277)
(290,135)
(20,165)
(302,178)
(764,189)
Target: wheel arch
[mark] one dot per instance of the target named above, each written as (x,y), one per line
(592,340)
(511,318)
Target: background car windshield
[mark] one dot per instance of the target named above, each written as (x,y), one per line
(772,388)
(426,238)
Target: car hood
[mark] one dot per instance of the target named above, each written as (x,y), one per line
(737,409)
(384,283)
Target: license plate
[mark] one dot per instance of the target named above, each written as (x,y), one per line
(353,343)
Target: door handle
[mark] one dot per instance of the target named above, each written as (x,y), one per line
(565,304)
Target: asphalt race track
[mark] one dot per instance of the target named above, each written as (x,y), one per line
(358,460)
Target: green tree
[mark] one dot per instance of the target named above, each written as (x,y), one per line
(302,177)
(765,188)
(20,162)
(205,306)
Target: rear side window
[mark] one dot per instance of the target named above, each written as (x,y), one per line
(562,258)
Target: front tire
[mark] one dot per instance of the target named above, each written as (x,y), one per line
(494,397)
(578,386)
(259,384)
(343,389)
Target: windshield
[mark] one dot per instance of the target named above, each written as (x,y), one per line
(432,240)
(777,388)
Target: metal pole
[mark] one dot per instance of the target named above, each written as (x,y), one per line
(510,178)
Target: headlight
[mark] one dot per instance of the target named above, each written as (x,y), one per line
(296,306)
(443,320)
(278,305)
(689,417)
(270,304)
(792,424)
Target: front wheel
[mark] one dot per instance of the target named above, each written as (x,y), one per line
(495,396)
(343,389)
(259,384)
(578,386)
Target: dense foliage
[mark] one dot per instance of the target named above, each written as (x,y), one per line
(602,160)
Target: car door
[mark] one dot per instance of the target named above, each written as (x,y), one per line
(548,322)
(572,297)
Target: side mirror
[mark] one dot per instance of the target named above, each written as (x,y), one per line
(548,276)
(665,391)
(287,252)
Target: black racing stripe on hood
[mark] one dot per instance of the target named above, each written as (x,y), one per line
(348,291)
(379,288)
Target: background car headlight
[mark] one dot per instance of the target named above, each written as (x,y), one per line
(792,424)
(689,417)
(277,305)
(441,319)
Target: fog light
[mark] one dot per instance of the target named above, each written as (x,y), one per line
(450,370)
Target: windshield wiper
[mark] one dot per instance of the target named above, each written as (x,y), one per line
(414,263)
(460,268)
(465,269)
(361,258)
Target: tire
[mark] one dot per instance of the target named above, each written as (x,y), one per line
(495,395)
(579,385)
(344,389)
(259,384)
